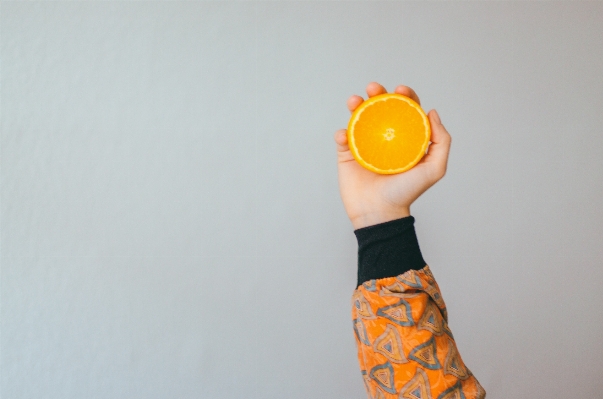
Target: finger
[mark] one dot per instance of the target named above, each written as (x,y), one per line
(408,92)
(374,89)
(354,101)
(341,139)
(440,144)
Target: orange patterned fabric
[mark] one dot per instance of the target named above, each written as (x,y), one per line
(405,347)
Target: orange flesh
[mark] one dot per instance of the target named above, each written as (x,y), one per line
(389,133)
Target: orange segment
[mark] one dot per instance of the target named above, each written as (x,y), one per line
(388,133)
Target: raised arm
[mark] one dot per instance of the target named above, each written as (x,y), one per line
(405,346)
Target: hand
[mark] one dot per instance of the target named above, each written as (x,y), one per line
(370,198)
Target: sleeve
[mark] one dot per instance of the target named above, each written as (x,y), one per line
(405,347)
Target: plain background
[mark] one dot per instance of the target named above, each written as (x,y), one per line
(171,225)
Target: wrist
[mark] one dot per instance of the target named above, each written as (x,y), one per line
(372,218)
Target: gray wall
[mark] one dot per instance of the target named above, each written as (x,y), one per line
(170,217)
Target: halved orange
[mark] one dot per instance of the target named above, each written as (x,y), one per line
(388,133)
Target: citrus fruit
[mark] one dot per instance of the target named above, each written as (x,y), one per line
(388,133)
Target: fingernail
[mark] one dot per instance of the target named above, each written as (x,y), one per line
(436,117)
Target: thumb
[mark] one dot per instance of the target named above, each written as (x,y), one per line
(439,148)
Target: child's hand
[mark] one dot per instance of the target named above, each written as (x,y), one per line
(370,198)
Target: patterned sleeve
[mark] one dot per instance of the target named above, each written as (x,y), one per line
(405,347)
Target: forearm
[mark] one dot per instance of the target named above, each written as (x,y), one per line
(400,320)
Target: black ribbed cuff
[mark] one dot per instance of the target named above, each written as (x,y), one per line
(388,249)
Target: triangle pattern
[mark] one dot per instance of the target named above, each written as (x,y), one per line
(367,383)
(426,355)
(447,330)
(453,363)
(412,280)
(431,319)
(389,345)
(395,288)
(399,313)
(444,314)
(362,307)
(360,331)
(398,290)
(383,374)
(387,292)
(454,392)
(417,388)
(434,293)
(370,285)
(428,273)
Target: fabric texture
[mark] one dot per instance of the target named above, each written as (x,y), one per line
(388,249)
(406,349)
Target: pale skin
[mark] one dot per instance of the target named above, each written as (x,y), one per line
(370,198)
